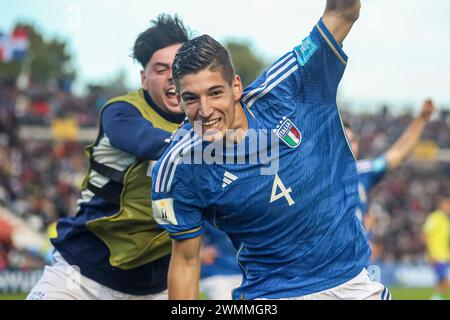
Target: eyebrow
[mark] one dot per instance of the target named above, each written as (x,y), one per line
(189,94)
(215,88)
(161,64)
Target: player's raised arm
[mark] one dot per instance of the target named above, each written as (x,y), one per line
(405,145)
(184,270)
(339,17)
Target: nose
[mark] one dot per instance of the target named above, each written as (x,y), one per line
(170,77)
(205,110)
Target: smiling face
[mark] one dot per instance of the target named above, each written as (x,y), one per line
(211,104)
(156,79)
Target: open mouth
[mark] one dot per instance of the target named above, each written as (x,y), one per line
(211,123)
(171,93)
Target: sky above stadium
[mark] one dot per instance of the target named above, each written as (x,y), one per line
(399,50)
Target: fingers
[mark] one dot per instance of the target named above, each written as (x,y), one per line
(428,108)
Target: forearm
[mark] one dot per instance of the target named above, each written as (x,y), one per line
(129,131)
(407,142)
(184,270)
(339,17)
(183,281)
(347,9)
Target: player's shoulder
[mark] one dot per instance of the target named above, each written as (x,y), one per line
(119,109)
(273,85)
(175,160)
(184,131)
(438,215)
(270,76)
(432,222)
(434,217)
(181,139)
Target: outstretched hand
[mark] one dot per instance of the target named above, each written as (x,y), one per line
(428,109)
(208,255)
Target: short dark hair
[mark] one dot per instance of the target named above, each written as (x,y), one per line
(203,53)
(165,31)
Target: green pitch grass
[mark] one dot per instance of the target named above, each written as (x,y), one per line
(13,297)
(397,294)
(413,293)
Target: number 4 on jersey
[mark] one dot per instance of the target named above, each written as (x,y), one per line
(285,193)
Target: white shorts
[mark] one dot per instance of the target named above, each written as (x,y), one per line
(62,281)
(220,287)
(359,288)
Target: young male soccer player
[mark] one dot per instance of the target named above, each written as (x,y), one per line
(296,228)
(436,230)
(113,243)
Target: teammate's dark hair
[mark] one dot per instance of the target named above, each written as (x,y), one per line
(203,53)
(165,31)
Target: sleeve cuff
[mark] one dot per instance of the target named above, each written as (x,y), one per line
(193,233)
(380,164)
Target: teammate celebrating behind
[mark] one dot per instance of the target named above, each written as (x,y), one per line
(113,241)
(371,171)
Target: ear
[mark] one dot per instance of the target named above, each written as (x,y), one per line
(142,78)
(237,87)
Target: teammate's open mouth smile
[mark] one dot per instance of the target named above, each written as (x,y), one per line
(170,93)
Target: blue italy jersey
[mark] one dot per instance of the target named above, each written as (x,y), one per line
(370,173)
(294,226)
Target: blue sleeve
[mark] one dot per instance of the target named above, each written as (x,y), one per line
(371,171)
(129,131)
(322,64)
(177,205)
(310,73)
(178,214)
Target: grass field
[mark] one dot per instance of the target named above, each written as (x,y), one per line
(397,294)
(413,293)
(13,297)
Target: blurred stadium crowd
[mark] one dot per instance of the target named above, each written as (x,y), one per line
(399,205)
(40,178)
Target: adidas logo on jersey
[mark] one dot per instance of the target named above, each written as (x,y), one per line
(228,178)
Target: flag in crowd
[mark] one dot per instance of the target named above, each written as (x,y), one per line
(14,46)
